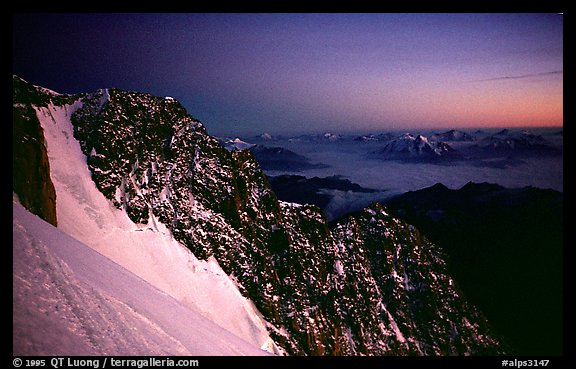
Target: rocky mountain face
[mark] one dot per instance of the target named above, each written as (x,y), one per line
(372,285)
(31,169)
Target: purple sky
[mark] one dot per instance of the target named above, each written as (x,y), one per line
(254,73)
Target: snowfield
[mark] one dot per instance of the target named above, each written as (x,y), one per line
(70,300)
(99,314)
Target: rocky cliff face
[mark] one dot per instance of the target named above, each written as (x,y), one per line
(30,165)
(372,285)
(406,287)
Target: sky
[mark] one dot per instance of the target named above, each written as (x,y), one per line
(249,73)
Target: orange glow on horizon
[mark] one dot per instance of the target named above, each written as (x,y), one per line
(503,104)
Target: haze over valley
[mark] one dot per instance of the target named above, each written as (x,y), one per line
(510,157)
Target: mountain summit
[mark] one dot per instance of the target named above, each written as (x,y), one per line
(372,285)
(410,148)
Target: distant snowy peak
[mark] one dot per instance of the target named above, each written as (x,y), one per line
(331,136)
(237,145)
(416,148)
(382,137)
(523,142)
(452,135)
(320,138)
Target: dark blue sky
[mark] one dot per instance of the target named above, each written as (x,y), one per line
(253,73)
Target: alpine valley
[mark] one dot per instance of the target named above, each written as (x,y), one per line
(150,237)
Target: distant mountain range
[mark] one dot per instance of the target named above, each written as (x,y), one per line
(503,149)
(273,158)
(452,135)
(278,158)
(518,144)
(499,150)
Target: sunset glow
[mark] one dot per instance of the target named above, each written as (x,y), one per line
(310,72)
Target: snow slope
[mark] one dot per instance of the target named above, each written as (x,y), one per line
(149,251)
(70,300)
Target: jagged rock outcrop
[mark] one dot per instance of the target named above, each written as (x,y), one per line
(405,280)
(370,286)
